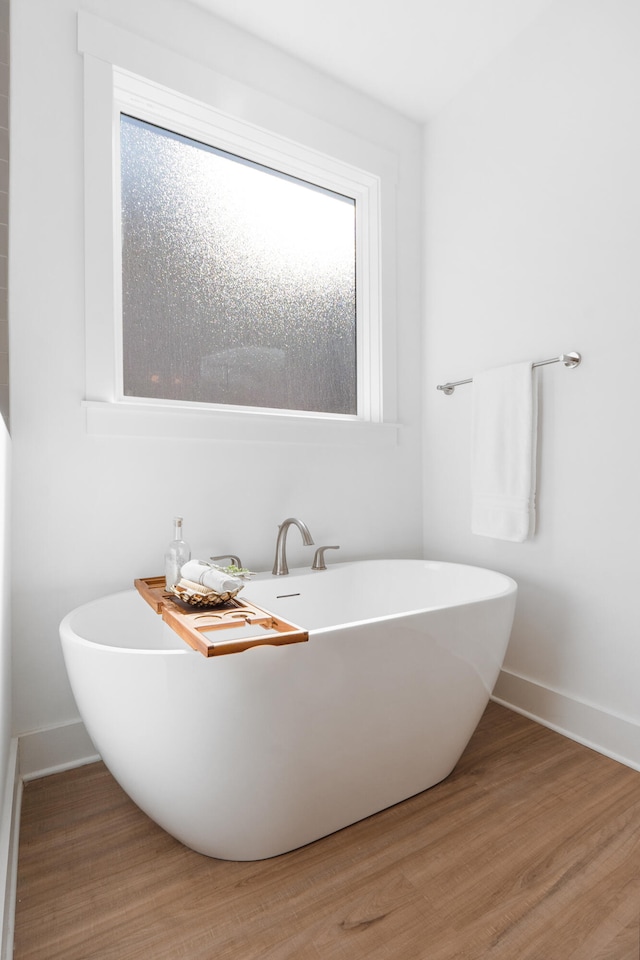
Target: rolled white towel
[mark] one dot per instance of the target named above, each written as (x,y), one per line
(199,571)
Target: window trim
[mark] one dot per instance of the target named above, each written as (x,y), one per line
(111,89)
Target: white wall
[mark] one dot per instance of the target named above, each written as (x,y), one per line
(8,747)
(532,234)
(5,620)
(4,206)
(91,513)
(532,226)
(5,444)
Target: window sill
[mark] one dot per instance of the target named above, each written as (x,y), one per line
(107,419)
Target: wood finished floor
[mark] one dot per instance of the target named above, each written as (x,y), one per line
(530,850)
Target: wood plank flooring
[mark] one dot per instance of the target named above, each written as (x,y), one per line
(530,850)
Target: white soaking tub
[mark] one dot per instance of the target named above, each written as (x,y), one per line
(249,755)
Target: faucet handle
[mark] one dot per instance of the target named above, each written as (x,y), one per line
(227,556)
(318,560)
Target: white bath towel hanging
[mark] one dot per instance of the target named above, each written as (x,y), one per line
(503,452)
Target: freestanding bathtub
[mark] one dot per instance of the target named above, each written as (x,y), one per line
(249,755)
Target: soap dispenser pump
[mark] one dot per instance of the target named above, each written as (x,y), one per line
(178,553)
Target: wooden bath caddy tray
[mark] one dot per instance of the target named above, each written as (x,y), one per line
(194,626)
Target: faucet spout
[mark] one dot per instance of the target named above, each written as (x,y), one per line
(280,567)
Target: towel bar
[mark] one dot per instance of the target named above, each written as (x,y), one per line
(568,359)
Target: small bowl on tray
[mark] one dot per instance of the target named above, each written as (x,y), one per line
(195,595)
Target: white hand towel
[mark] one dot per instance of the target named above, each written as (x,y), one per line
(503,452)
(199,571)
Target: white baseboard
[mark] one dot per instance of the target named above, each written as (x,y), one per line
(9,832)
(55,748)
(68,745)
(609,734)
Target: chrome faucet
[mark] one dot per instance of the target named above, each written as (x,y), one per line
(318,559)
(280,563)
(227,556)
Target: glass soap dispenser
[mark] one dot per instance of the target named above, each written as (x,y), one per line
(178,553)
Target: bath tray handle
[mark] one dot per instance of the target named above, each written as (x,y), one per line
(197,627)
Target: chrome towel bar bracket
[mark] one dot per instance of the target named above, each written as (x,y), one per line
(568,359)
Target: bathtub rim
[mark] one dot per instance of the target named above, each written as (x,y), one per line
(508,586)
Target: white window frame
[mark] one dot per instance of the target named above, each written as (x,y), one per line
(112,89)
(152,103)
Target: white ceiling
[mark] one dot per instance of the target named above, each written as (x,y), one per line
(413,55)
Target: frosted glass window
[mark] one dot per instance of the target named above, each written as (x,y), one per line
(238,282)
